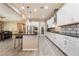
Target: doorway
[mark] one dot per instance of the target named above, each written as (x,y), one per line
(42,30)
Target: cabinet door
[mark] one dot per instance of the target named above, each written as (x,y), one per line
(67,13)
(77,49)
(77,46)
(71,47)
(75,12)
(61,42)
(60,16)
(64,14)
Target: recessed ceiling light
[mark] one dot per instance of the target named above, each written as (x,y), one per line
(46,7)
(35,9)
(22,7)
(28,16)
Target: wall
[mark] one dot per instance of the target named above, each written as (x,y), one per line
(8,13)
(12,26)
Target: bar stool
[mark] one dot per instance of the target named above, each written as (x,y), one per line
(18,41)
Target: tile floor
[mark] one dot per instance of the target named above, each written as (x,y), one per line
(46,48)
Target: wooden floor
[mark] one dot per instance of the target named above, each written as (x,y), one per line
(46,48)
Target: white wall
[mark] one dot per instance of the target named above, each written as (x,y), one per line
(11,26)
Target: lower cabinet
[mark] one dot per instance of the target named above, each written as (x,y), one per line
(70,48)
(77,49)
(61,42)
(69,45)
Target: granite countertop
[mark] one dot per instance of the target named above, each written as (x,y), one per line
(65,34)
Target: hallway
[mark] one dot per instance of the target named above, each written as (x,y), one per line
(46,48)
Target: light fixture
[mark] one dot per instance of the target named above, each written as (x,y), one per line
(23,16)
(22,7)
(35,9)
(46,7)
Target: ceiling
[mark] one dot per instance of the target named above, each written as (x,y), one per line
(41,13)
(33,11)
(6,14)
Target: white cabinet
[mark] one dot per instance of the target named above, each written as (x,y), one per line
(60,41)
(60,16)
(68,13)
(70,45)
(77,46)
(64,14)
(77,49)
(75,11)
(71,48)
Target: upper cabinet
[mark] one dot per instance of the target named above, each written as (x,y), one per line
(50,22)
(68,13)
(64,14)
(75,9)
